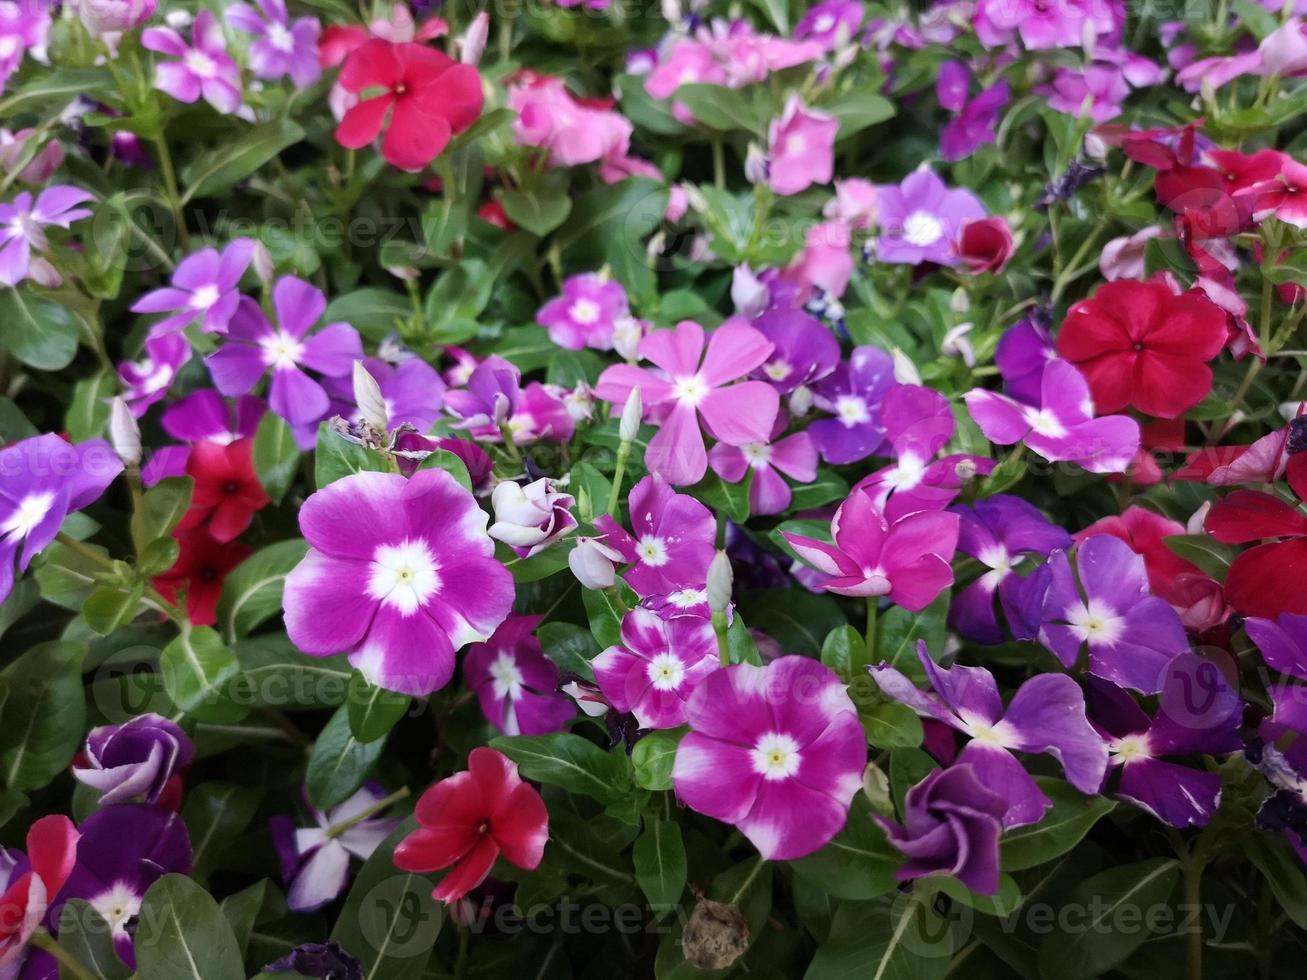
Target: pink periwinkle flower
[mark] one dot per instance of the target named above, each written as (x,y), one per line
(854,203)
(906,560)
(826,262)
(794,456)
(147,381)
(203,68)
(573,131)
(40,168)
(801,148)
(515,682)
(778,751)
(673,541)
(832,23)
(1284,51)
(22,231)
(24,24)
(693,384)
(205,286)
(657,665)
(1043,24)
(586,313)
(400,574)
(110,17)
(529,519)
(281,47)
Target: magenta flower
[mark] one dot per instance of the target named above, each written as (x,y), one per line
(22,230)
(778,751)
(657,665)
(906,560)
(852,393)
(801,148)
(147,381)
(1046,714)
(1061,427)
(673,543)
(23,24)
(794,456)
(399,575)
(202,416)
(951,85)
(1042,24)
(412,389)
(832,23)
(281,48)
(1023,352)
(693,385)
(586,313)
(203,67)
(254,346)
(803,351)
(489,398)
(205,285)
(975,124)
(921,219)
(515,682)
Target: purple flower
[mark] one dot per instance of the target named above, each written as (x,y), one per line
(400,574)
(1023,352)
(951,825)
(921,219)
(951,85)
(23,24)
(974,126)
(1282,642)
(1042,24)
(515,682)
(281,48)
(133,761)
(111,17)
(413,391)
(657,665)
(1103,84)
(22,230)
(852,393)
(42,481)
(803,351)
(673,542)
(326,961)
(586,313)
(794,455)
(831,23)
(147,381)
(253,346)
(490,398)
(1046,714)
(203,68)
(529,519)
(202,416)
(800,148)
(1198,713)
(999,533)
(204,285)
(1061,426)
(315,863)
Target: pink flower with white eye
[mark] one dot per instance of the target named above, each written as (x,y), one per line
(203,68)
(586,312)
(673,540)
(515,682)
(794,456)
(694,384)
(801,148)
(656,666)
(778,751)
(22,230)
(529,519)
(906,560)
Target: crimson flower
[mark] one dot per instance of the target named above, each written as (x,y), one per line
(199,570)
(227,490)
(470,819)
(31,883)
(985,245)
(1140,345)
(427,95)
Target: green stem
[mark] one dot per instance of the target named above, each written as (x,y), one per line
(1193,896)
(615,494)
(460,964)
(175,200)
(336,829)
(873,607)
(509,444)
(69,964)
(718,162)
(151,593)
(723,643)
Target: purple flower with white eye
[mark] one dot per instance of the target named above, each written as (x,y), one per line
(529,519)
(282,48)
(794,456)
(201,416)
(804,350)
(1061,426)
(147,381)
(123,851)
(1046,714)
(951,825)
(22,230)
(490,397)
(42,481)
(315,862)
(1023,352)
(133,761)
(657,665)
(586,312)
(673,540)
(254,346)
(515,682)
(852,393)
(23,24)
(1198,713)
(974,125)
(830,23)
(412,389)
(204,286)
(203,67)
(999,532)
(921,219)
(1105,604)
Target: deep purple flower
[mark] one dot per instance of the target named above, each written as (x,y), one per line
(586,312)
(1023,352)
(22,230)
(413,391)
(673,540)
(803,352)
(204,285)
(831,23)
(515,682)
(147,381)
(325,961)
(657,666)
(921,219)
(1046,714)
(133,761)
(490,398)
(974,126)
(203,67)
(201,416)
(952,821)
(1282,641)
(852,393)
(281,48)
(253,347)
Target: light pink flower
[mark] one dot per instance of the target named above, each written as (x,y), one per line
(548,116)
(801,148)
(657,666)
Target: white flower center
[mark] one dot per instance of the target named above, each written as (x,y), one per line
(666,672)
(281,351)
(690,390)
(686,598)
(777,370)
(1095,622)
(652,550)
(281,38)
(982,732)
(200,64)
(823,23)
(922,229)
(1130,747)
(584,312)
(907,474)
(757,453)
(1044,422)
(404,575)
(507,677)
(852,410)
(30,512)
(204,297)
(776,756)
(118,906)
(795,145)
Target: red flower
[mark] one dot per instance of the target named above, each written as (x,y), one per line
(227,490)
(51,854)
(1138,344)
(470,819)
(199,570)
(985,245)
(427,95)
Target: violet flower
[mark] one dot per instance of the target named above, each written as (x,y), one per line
(281,48)
(201,416)
(135,760)
(22,231)
(803,351)
(975,125)
(491,395)
(23,25)
(794,456)
(831,23)
(325,961)
(147,381)
(413,391)
(674,539)
(656,666)
(586,313)
(203,67)
(205,286)
(516,684)
(1046,714)
(852,393)
(1023,352)
(921,219)
(529,519)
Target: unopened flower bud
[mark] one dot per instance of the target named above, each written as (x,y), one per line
(632,414)
(749,293)
(529,519)
(905,372)
(720,582)
(261,259)
(800,401)
(696,198)
(627,334)
(755,165)
(1198,519)
(369,399)
(592,562)
(474,39)
(124,433)
(965,469)
(959,302)
(875,786)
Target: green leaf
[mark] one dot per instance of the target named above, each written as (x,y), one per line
(374,313)
(723,109)
(87,937)
(66,577)
(798,620)
(216,814)
(891,725)
(88,412)
(39,332)
(1204,551)
(659,856)
(196,669)
(335,457)
(1283,872)
(860,108)
(111,606)
(190,938)
(243,908)
(901,940)
(58,87)
(899,630)
(276,675)
(858,864)
(604,615)
(443,459)
(1063,827)
(653,757)
(276,456)
(729,498)
(1002,904)
(339,762)
(160,511)
(549,562)
(570,647)
(538,209)
(252,592)
(215,172)
(827,487)
(569,761)
(44,715)
(844,651)
(373,711)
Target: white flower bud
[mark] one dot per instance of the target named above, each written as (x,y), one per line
(627,334)
(720,582)
(696,198)
(1198,519)
(474,39)
(632,413)
(959,302)
(124,433)
(749,293)
(800,401)
(369,399)
(905,372)
(1094,146)
(592,562)
(755,165)
(264,267)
